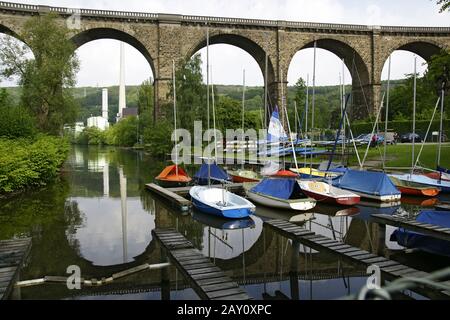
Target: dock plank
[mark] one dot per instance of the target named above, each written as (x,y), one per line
(207,280)
(423,228)
(13,253)
(390,269)
(183,203)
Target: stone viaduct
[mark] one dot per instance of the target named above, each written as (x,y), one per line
(162,38)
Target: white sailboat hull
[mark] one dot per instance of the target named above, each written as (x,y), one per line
(291,204)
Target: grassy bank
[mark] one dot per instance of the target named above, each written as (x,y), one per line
(400,155)
(30,162)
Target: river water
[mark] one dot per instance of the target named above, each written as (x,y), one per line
(99,217)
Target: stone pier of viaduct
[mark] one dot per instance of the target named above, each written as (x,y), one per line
(162,38)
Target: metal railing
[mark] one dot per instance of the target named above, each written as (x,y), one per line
(129,15)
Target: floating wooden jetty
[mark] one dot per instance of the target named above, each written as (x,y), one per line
(207,280)
(177,196)
(407,223)
(181,202)
(390,270)
(12,256)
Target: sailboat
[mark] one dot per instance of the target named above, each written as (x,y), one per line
(243,175)
(282,193)
(173,175)
(217,201)
(326,192)
(414,188)
(412,178)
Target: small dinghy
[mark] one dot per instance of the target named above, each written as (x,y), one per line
(173,176)
(220,202)
(313,173)
(441,174)
(241,175)
(424,180)
(410,239)
(282,193)
(324,192)
(414,188)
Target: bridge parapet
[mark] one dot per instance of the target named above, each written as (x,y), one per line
(152,17)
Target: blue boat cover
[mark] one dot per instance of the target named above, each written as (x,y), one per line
(217,173)
(370,182)
(281,188)
(412,239)
(442,169)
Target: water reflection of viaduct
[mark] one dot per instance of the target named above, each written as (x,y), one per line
(164,37)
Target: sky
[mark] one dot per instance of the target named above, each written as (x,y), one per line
(100,59)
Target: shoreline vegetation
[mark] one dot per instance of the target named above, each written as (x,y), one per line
(30,162)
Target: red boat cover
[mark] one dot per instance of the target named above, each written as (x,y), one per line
(285,173)
(170,172)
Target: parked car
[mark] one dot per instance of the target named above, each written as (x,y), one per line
(408,137)
(390,137)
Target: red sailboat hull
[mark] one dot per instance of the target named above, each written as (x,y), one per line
(427,192)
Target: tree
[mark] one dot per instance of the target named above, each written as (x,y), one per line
(145,105)
(191,93)
(125,132)
(47,78)
(444,5)
(439,72)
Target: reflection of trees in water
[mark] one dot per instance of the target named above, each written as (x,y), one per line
(74,219)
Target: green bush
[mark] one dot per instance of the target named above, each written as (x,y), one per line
(125,132)
(28,163)
(15,121)
(91,136)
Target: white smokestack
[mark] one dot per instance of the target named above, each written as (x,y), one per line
(105,103)
(122,81)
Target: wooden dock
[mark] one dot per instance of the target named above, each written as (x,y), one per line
(207,280)
(181,202)
(12,255)
(390,270)
(406,223)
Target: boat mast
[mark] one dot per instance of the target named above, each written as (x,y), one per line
(343,109)
(440,125)
(243,117)
(283,106)
(313,89)
(313,105)
(414,116)
(213,114)
(175,116)
(387,112)
(207,96)
(306,110)
(265,92)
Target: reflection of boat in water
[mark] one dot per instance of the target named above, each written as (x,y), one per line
(423,242)
(222,223)
(377,204)
(228,239)
(335,211)
(419,201)
(268,213)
